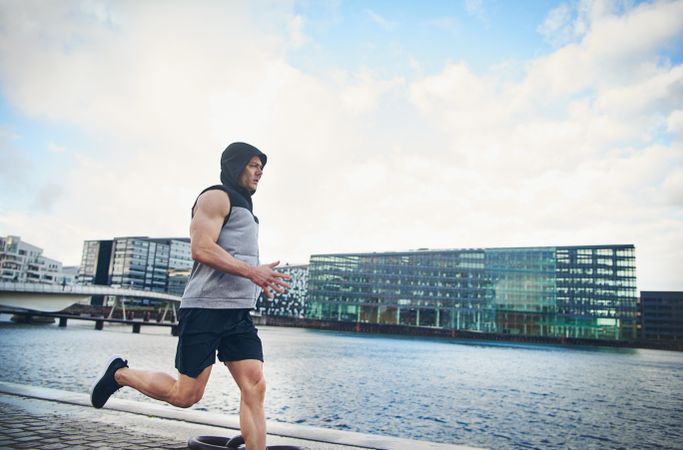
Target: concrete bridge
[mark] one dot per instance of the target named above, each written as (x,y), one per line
(53,298)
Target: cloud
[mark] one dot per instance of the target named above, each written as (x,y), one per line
(47,197)
(297,37)
(55,148)
(458,100)
(574,151)
(618,50)
(14,166)
(557,27)
(7,136)
(444,23)
(585,147)
(365,91)
(475,8)
(35,227)
(672,188)
(674,124)
(385,24)
(160,111)
(145,101)
(568,23)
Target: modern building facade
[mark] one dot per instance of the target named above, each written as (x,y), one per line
(177,280)
(24,263)
(95,263)
(137,262)
(661,316)
(291,303)
(180,253)
(69,275)
(577,292)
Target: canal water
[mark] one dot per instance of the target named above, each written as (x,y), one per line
(499,396)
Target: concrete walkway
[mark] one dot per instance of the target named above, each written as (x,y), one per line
(42,418)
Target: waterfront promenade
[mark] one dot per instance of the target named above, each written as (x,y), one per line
(43,418)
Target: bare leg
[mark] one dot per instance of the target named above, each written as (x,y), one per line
(182,392)
(248,375)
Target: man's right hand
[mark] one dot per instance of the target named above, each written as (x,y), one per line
(268,279)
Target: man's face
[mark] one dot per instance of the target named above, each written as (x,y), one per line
(251,174)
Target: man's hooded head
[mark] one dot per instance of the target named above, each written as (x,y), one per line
(233,161)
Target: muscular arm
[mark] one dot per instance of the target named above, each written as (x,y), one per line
(212,207)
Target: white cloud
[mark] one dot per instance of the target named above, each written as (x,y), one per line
(672,187)
(14,165)
(383,22)
(618,50)
(460,101)
(557,27)
(674,124)
(586,148)
(571,22)
(297,37)
(475,8)
(7,136)
(143,89)
(365,91)
(572,154)
(55,148)
(47,197)
(444,23)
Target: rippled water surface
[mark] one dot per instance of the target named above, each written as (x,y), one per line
(483,394)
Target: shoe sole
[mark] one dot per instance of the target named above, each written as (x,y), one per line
(104,371)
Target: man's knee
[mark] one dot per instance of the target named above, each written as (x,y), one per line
(186,399)
(249,377)
(189,390)
(254,390)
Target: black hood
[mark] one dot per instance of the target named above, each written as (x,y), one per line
(233,161)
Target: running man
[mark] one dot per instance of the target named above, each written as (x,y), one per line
(214,312)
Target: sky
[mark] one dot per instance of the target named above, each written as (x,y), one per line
(389,125)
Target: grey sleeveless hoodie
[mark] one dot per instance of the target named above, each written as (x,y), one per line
(211,288)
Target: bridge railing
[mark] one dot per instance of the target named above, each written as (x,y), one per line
(11,286)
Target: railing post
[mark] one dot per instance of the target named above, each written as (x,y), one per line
(163,317)
(113,307)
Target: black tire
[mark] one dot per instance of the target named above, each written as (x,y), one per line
(285,447)
(222,443)
(208,443)
(235,442)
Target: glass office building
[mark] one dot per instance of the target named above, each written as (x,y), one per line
(578,292)
(139,262)
(292,302)
(661,316)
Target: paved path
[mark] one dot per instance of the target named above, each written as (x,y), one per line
(42,418)
(50,429)
(37,424)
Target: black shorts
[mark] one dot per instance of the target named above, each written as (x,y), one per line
(203,331)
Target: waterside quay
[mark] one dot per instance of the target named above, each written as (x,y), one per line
(42,418)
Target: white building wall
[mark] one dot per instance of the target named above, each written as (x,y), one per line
(24,262)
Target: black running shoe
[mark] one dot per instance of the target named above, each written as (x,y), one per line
(106,385)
